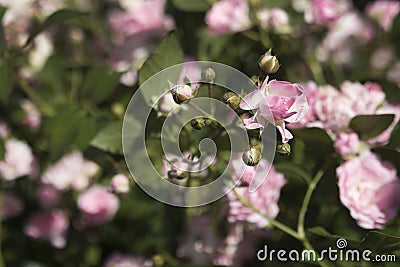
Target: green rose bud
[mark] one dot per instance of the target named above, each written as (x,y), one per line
(269,63)
(232,100)
(252,156)
(199,123)
(208,74)
(283,149)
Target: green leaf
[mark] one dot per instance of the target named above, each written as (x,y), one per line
(2,149)
(5,80)
(322,232)
(388,154)
(168,53)
(378,242)
(58,17)
(70,128)
(99,84)
(395,137)
(109,138)
(369,126)
(3,43)
(315,138)
(192,5)
(395,32)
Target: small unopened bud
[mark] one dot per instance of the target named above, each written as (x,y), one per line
(283,149)
(232,100)
(208,74)
(256,143)
(269,63)
(177,174)
(198,123)
(252,156)
(182,93)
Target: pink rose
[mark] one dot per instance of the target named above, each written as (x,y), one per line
(120,183)
(48,196)
(4,130)
(370,189)
(71,171)
(145,17)
(18,160)
(265,198)
(228,16)
(325,12)
(274,18)
(347,144)
(11,206)
(123,260)
(384,12)
(97,204)
(32,118)
(48,225)
(286,101)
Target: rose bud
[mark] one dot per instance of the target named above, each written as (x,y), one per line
(269,63)
(208,74)
(177,174)
(198,123)
(252,156)
(182,93)
(283,149)
(232,100)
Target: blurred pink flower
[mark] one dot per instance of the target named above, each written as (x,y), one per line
(4,130)
(350,32)
(71,171)
(325,12)
(120,183)
(286,101)
(275,18)
(370,189)
(11,206)
(48,225)
(145,16)
(18,160)
(347,144)
(97,204)
(265,198)
(228,16)
(32,118)
(384,12)
(200,242)
(48,196)
(124,260)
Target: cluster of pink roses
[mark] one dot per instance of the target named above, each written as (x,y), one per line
(369,187)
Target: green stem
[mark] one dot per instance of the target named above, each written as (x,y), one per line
(200,110)
(307,198)
(273,222)
(210,95)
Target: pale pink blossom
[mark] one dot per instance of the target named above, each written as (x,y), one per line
(228,16)
(48,225)
(4,130)
(18,160)
(326,12)
(146,16)
(370,189)
(345,36)
(265,198)
(48,196)
(275,18)
(284,100)
(98,204)
(165,105)
(347,144)
(384,11)
(32,118)
(123,260)
(11,206)
(71,171)
(120,183)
